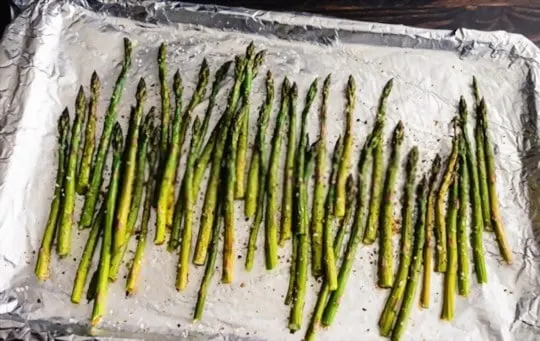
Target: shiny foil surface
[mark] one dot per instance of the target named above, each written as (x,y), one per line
(53,46)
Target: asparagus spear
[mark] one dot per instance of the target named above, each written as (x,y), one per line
(271,228)
(210,267)
(255,183)
(451,270)
(68,204)
(171,162)
(463,253)
(196,98)
(106,244)
(121,233)
(89,136)
(386,271)
(317,215)
(416,265)
(144,136)
(241,154)
(206,153)
(44,257)
(165,100)
(103,147)
(496,220)
(356,232)
(153,165)
(330,268)
(144,139)
(338,241)
(288,180)
(477,223)
(430,222)
(378,168)
(300,208)
(481,157)
(193,155)
(345,163)
(230,176)
(440,230)
(209,206)
(87,256)
(295,319)
(189,200)
(220,75)
(396,294)
(258,162)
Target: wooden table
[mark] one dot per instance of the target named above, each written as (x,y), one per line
(519,16)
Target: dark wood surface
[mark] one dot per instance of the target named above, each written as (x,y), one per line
(518,16)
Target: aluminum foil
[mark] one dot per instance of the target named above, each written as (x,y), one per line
(53,46)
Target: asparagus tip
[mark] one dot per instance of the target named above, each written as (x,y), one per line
(63,122)
(117,137)
(177,83)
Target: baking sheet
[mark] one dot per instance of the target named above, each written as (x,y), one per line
(54,46)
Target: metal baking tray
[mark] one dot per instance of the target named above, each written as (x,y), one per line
(53,46)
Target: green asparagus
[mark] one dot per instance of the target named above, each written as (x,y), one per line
(430,222)
(440,224)
(44,256)
(378,168)
(165,101)
(144,138)
(228,213)
(170,164)
(198,95)
(317,215)
(100,303)
(87,256)
(356,231)
(451,270)
(258,162)
(330,267)
(496,220)
(345,163)
(462,246)
(271,227)
(189,202)
(104,142)
(210,267)
(416,265)
(302,258)
(481,158)
(324,292)
(255,181)
(89,136)
(121,233)
(407,230)
(219,77)
(210,199)
(386,254)
(288,179)
(477,216)
(68,204)
(241,153)
(153,165)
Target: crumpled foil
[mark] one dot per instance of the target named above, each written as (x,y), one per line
(53,46)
